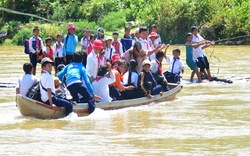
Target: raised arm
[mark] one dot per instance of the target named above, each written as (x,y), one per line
(62,73)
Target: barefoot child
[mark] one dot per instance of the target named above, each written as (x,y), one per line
(189,56)
(199,54)
(47,88)
(102,82)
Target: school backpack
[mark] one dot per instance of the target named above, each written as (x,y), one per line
(34,92)
(26,46)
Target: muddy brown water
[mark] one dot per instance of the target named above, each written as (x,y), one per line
(211,118)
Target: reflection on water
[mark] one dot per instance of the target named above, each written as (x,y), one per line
(204,119)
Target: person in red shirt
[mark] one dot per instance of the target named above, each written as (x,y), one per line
(48,51)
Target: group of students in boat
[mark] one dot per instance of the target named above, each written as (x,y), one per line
(107,69)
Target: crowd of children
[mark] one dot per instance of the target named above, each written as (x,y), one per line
(107,69)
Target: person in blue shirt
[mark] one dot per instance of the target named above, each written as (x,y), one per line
(70,42)
(126,40)
(78,82)
(100,34)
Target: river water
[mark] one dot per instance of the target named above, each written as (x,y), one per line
(211,118)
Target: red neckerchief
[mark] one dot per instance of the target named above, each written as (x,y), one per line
(98,58)
(137,55)
(50,53)
(58,46)
(98,78)
(38,46)
(117,50)
(147,45)
(88,42)
(44,72)
(90,48)
(160,65)
(154,45)
(105,60)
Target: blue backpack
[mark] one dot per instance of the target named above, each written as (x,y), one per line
(26,46)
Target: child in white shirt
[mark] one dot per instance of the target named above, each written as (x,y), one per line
(85,41)
(26,81)
(102,82)
(93,60)
(117,44)
(110,50)
(59,53)
(175,68)
(145,45)
(47,88)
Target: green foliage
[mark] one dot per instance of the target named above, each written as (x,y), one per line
(7,42)
(12,27)
(113,21)
(80,26)
(217,19)
(20,37)
(94,10)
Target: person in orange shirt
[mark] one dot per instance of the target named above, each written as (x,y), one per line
(117,87)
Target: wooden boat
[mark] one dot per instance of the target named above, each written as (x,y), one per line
(30,107)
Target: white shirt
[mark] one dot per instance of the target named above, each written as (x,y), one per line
(92,65)
(157,41)
(109,50)
(103,61)
(84,42)
(152,46)
(134,40)
(134,78)
(47,81)
(175,65)
(101,87)
(145,46)
(25,83)
(33,39)
(198,52)
(58,51)
(154,68)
